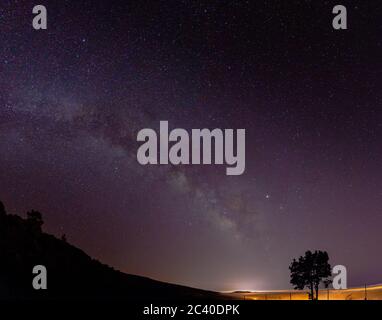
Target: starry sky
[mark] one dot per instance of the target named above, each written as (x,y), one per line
(74,96)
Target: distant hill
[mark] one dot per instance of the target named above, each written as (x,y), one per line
(72,274)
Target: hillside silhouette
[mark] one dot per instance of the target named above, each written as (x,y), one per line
(71,273)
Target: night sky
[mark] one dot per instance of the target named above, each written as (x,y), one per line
(74,96)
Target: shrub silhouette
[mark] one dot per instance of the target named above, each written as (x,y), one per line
(34,219)
(2,209)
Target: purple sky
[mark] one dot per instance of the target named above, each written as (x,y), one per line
(73,98)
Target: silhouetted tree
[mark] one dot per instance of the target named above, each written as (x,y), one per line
(3,214)
(2,209)
(34,219)
(309,271)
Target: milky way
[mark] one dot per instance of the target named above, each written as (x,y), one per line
(74,96)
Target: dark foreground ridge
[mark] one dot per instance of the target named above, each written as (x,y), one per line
(71,273)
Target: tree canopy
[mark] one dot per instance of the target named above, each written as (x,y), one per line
(309,271)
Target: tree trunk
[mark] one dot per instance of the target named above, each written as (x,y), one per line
(316,292)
